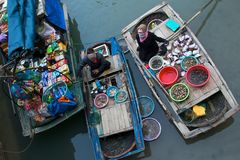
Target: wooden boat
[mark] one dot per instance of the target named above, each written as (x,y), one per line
(29,127)
(221,103)
(115,130)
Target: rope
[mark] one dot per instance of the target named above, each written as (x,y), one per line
(21,151)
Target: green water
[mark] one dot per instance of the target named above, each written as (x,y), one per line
(92,20)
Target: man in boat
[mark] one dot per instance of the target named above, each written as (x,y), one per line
(96,62)
(147,42)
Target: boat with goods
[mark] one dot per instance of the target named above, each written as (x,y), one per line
(112,112)
(185,81)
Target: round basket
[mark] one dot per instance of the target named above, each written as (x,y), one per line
(101,100)
(179,88)
(121,96)
(168,75)
(54,91)
(146,106)
(156,63)
(197,76)
(118,145)
(111,91)
(151,129)
(151,25)
(188,62)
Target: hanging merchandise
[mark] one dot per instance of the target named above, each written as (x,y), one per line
(55,13)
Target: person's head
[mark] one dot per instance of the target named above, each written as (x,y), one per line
(91,54)
(141,30)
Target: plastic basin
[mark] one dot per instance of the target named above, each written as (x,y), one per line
(168,75)
(121,96)
(197,76)
(156,63)
(192,60)
(101,100)
(111,91)
(180,88)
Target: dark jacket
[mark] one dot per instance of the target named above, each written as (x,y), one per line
(100,63)
(149,45)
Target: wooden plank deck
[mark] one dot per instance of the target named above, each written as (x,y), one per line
(115,119)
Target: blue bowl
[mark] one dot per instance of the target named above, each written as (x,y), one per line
(112,89)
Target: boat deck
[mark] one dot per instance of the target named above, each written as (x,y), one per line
(115,119)
(199,94)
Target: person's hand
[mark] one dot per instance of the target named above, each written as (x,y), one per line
(95,71)
(166,42)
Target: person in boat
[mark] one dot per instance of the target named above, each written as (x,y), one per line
(147,44)
(96,62)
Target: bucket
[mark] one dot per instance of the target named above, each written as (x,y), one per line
(156,63)
(183,88)
(197,75)
(168,75)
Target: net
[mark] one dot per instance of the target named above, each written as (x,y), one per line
(146,106)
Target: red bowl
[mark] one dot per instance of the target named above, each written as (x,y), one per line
(198,69)
(168,75)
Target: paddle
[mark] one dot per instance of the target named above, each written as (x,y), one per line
(190,20)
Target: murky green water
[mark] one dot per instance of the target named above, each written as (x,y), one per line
(95,20)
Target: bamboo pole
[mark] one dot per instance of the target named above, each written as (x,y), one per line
(189,21)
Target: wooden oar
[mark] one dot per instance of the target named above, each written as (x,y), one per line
(189,21)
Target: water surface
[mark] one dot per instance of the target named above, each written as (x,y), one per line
(94,20)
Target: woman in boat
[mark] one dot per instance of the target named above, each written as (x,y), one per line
(147,42)
(96,62)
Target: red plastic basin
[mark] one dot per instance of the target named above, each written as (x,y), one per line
(197,69)
(168,75)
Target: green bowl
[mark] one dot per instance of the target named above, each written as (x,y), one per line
(123,98)
(186,58)
(177,85)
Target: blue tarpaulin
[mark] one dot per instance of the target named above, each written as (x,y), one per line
(55,13)
(21,24)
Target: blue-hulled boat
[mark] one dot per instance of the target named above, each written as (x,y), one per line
(115,130)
